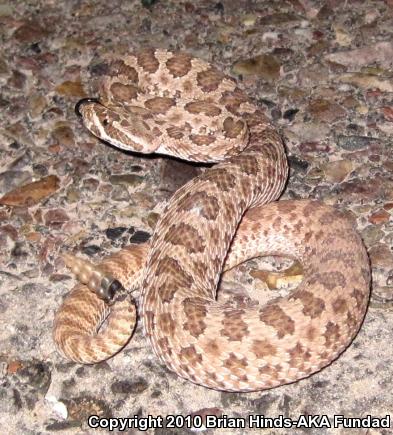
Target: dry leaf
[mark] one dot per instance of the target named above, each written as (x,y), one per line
(32,193)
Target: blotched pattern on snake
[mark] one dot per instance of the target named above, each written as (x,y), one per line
(171,103)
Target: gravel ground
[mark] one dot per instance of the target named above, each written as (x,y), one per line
(323,72)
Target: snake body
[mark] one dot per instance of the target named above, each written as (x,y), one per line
(167,102)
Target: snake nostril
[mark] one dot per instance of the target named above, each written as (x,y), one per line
(82,102)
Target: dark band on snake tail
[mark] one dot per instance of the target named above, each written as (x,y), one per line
(82,102)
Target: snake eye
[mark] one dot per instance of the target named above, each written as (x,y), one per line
(105,122)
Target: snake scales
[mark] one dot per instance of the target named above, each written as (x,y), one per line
(171,103)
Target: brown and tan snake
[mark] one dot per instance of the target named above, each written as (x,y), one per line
(171,103)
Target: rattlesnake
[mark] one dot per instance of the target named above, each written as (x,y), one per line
(168,102)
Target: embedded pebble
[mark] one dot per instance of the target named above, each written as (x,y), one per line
(91,250)
(324,110)
(30,32)
(64,135)
(115,233)
(136,386)
(71,89)
(381,255)
(367,81)
(265,66)
(120,193)
(337,171)
(59,408)
(351,143)
(381,52)
(126,179)
(140,237)
(379,217)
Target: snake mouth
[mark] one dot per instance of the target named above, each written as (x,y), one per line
(83,101)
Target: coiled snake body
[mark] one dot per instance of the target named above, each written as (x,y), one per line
(160,101)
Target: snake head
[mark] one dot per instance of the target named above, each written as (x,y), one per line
(119,125)
(95,116)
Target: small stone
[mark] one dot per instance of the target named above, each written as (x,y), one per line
(58,407)
(90,184)
(189,7)
(389,281)
(73,195)
(21,161)
(52,114)
(4,70)
(367,81)
(313,147)
(224,36)
(80,408)
(298,164)
(318,48)
(337,171)
(325,13)
(65,425)
(115,233)
(381,256)
(35,374)
(12,179)
(71,89)
(17,80)
(388,113)
(276,114)
(290,114)
(14,366)
(325,111)
(265,66)
(151,219)
(55,218)
(343,38)
(350,102)
(310,77)
(382,297)
(19,250)
(249,20)
(126,179)
(372,234)
(58,277)
(309,131)
(37,104)
(140,237)
(91,250)
(381,52)
(63,135)
(30,32)
(120,193)
(148,3)
(351,143)
(144,200)
(130,387)
(363,189)
(6,9)
(379,217)
(19,132)
(278,18)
